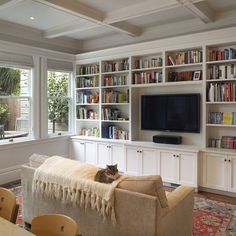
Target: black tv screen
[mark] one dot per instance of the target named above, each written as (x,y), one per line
(173,112)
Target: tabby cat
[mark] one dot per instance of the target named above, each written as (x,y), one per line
(107,175)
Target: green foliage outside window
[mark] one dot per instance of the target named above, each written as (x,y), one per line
(4,113)
(57,93)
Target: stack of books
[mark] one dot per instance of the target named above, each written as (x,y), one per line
(228,142)
(222,54)
(222,71)
(226,118)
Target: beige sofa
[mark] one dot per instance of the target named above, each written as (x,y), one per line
(141,207)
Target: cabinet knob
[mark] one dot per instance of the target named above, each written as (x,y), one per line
(82,143)
(174,155)
(225,160)
(228,160)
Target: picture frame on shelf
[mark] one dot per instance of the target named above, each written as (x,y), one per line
(197,75)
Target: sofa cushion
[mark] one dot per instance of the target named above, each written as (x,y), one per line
(151,185)
(36,160)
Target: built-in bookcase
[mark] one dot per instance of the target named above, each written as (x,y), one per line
(108,91)
(221,96)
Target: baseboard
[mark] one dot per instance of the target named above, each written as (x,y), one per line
(220,192)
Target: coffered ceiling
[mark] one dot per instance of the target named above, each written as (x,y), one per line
(85,25)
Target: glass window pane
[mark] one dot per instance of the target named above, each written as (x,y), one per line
(58,102)
(14,82)
(14,118)
(58,114)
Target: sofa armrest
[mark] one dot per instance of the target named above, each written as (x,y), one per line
(177,219)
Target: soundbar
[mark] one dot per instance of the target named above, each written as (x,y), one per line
(167,139)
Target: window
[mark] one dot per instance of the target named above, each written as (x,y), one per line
(59,102)
(15,105)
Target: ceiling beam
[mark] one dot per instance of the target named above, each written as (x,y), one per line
(85,12)
(8,3)
(201,10)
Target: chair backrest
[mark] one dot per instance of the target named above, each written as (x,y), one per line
(8,206)
(54,225)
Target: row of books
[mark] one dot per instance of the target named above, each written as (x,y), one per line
(228,142)
(87,82)
(181,76)
(111,113)
(147,77)
(85,97)
(111,96)
(222,92)
(90,132)
(222,71)
(85,113)
(114,132)
(147,63)
(89,69)
(222,54)
(227,118)
(187,57)
(116,65)
(115,80)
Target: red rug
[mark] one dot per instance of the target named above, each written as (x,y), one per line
(211,218)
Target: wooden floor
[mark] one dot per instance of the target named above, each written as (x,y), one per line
(203,194)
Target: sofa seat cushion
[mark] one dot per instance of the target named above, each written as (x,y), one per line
(36,160)
(151,185)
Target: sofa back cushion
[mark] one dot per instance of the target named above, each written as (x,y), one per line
(151,185)
(36,160)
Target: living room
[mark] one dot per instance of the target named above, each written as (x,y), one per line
(95,78)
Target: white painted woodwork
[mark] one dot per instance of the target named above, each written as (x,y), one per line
(91,153)
(133,160)
(232,173)
(149,161)
(77,150)
(104,154)
(168,167)
(118,156)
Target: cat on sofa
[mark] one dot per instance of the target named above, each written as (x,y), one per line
(107,175)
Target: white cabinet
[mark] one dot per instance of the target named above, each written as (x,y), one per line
(179,167)
(111,154)
(141,161)
(219,171)
(84,151)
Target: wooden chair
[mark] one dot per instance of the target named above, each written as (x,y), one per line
(8,206)
(54,225)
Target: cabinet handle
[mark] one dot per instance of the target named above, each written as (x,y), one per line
(82,143)
(228,160)
(140,151)
(174,155)
(225,160)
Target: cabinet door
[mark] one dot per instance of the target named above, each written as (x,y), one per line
(187,169)
(103,155)
(168,166)
(77,150)
(149,162)
(232,173)
(118,156)
(91,153)
(215,171)
(132,161)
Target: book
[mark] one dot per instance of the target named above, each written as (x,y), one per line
(227,118)
(171,60)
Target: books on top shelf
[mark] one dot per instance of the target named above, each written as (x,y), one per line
(222,54)
(186,57)
(88,69)
(181,76)
(118,65)
(143,63)
(147,77)
(226,118)
(115,80)
(87,82)
(222,71)
(111,114)
(222,92)
(112,96)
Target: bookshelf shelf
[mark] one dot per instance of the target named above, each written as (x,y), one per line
(220,103)
(87,104)
(183,65)
(87,75)
(220,80)
(124,103)
(88,120)
(147,69)
(116,121)
(183,83)
(220,125)
(222,61)
(115,86)
(115,72)
(88,88)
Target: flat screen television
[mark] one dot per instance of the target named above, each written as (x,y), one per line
(172,112)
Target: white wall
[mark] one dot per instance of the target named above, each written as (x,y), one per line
(12,156)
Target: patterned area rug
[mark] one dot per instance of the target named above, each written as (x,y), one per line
(211,218)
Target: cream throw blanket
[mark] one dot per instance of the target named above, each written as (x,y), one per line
(72,182)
